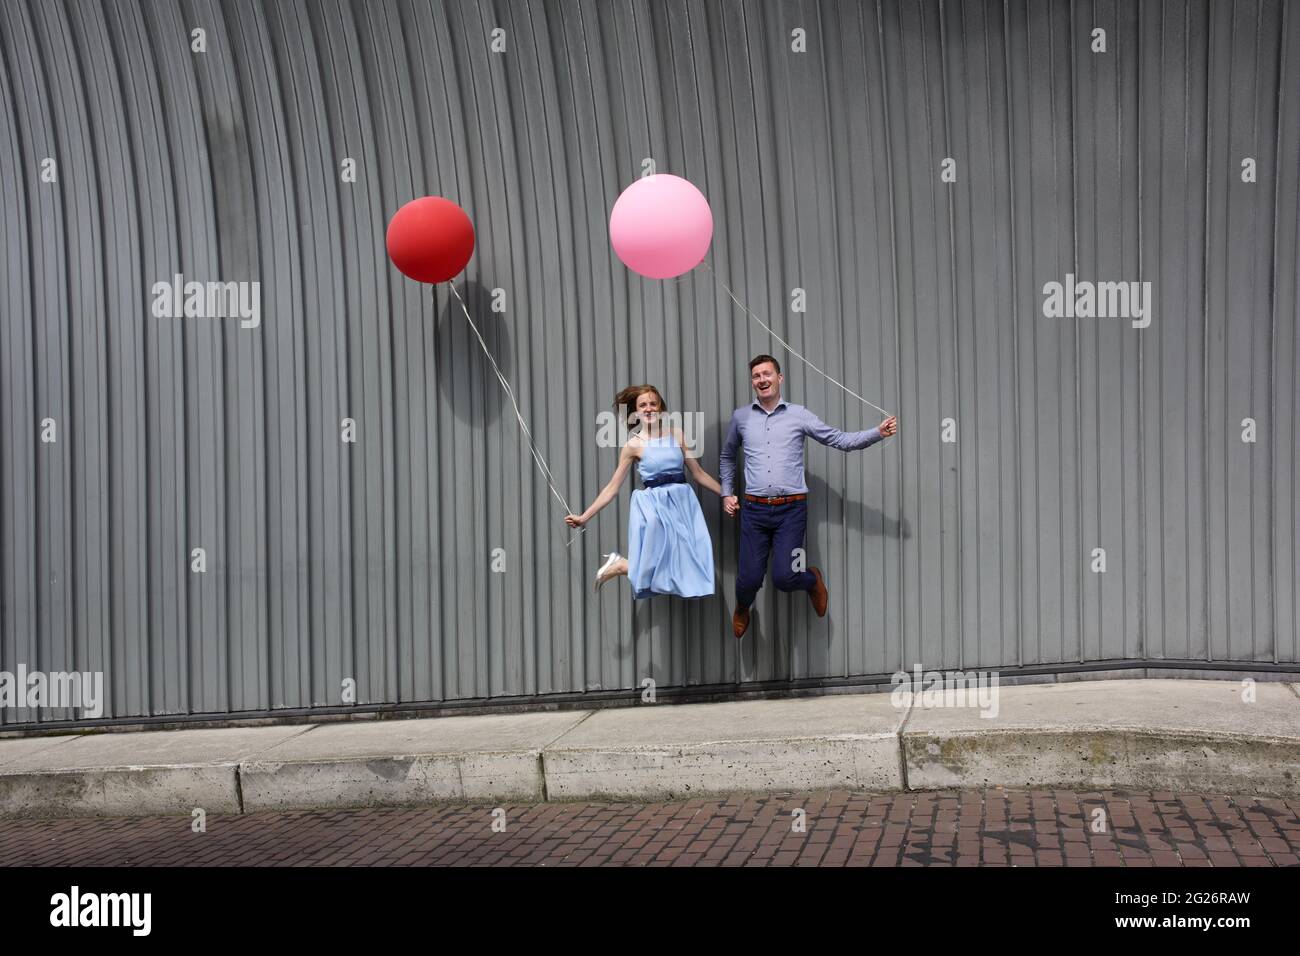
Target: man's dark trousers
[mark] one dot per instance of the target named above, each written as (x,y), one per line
(771,529)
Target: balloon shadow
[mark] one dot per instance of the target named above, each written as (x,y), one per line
(466,380)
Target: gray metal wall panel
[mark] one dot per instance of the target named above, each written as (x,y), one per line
(372,561)
(1284,379)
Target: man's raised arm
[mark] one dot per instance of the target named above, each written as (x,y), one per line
(818,430)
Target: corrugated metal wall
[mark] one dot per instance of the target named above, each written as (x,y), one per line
(374,560)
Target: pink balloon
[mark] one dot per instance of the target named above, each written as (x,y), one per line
(661,226)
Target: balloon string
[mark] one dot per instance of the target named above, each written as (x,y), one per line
(541,462)
(789,348)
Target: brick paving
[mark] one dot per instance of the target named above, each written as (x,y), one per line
(950,828)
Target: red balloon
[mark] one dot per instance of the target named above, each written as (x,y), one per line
(430,239)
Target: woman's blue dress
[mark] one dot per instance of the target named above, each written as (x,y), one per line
(668,549)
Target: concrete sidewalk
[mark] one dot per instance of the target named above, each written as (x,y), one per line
(1189,735)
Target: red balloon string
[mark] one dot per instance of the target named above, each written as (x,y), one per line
(523,425)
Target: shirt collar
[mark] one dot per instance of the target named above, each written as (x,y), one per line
(780,404)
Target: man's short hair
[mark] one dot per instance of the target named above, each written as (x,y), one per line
(760,359)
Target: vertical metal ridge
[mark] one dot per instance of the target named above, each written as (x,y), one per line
(1141,445)
(956,340)
(1205,340)
(1015,316)
(1060,438)
(1272,341)
(997,303)
(898,370)
(1036,595)
(1254,122)
(1079,562)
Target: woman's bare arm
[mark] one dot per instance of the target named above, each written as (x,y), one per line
(696,470)
(609,492)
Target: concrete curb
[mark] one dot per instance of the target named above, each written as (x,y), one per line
(728,766)
(1137,735)
(1149,735)
(120,791)
(391,781)
(1134,759)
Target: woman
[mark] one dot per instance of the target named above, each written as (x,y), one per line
(669,549)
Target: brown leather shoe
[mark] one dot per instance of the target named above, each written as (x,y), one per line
(817,594)
(740,622)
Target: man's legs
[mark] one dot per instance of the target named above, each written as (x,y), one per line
(755,544)
(791,523)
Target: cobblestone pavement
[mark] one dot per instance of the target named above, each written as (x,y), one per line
(968,828)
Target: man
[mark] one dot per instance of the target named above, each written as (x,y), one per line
(776,511)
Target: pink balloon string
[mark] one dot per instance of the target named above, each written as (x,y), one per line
(523,425)
(788,347)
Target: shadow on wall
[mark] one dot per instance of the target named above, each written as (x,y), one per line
(466,380)
(858,517)
(783,618)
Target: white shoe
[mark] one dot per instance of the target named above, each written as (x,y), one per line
(602,575)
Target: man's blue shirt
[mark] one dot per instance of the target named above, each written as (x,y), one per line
(774,447)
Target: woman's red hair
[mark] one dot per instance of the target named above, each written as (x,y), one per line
(628,396)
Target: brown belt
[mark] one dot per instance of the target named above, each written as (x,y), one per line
(778,500)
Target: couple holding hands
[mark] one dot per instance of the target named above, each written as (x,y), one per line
(669,549)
